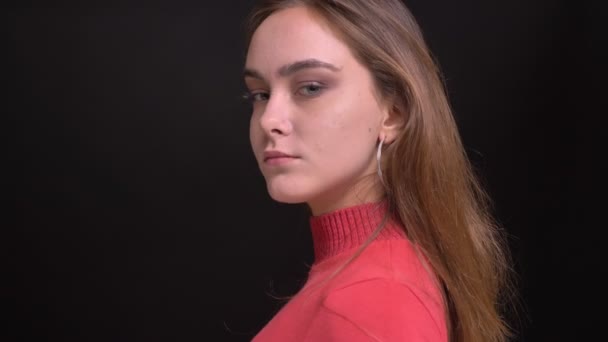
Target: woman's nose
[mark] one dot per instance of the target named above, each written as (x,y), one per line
(275,119)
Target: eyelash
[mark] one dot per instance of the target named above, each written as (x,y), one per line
(251,96)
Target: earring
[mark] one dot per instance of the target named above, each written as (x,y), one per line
(378,157)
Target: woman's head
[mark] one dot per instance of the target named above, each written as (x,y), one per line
(314,100)
(329,80)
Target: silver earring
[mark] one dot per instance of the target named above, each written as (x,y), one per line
(378,156)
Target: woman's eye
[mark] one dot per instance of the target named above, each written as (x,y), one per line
(310,89)
(256,96)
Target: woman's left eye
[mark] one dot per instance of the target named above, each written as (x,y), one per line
(310,89)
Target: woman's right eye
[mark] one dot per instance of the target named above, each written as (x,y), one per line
(257,96)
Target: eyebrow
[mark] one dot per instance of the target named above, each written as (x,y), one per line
(292,68)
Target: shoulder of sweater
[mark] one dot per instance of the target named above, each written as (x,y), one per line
(390,259)
(390,265)
(388,306)
(380,288)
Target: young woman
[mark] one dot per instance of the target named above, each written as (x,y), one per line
(350,116)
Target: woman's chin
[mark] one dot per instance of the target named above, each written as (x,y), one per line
(286,196)
(287,193)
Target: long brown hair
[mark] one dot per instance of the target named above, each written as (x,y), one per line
(430,185)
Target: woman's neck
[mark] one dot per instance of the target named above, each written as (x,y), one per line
(347,228)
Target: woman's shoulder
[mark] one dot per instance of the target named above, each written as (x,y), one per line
(393,261)
(387,292)
(388,308)
(392,266)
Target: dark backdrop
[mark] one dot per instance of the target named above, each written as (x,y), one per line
(138,212)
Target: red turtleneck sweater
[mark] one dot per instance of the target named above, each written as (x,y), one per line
(387,293)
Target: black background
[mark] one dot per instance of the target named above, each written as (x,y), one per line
(138,210)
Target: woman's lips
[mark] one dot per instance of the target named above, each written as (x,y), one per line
(277,158)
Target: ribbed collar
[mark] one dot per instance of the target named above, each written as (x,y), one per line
(347,228)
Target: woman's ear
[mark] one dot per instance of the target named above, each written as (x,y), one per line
(392,123)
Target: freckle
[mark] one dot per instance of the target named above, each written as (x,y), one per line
(369,129)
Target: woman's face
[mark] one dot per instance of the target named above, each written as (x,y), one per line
(316,116)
